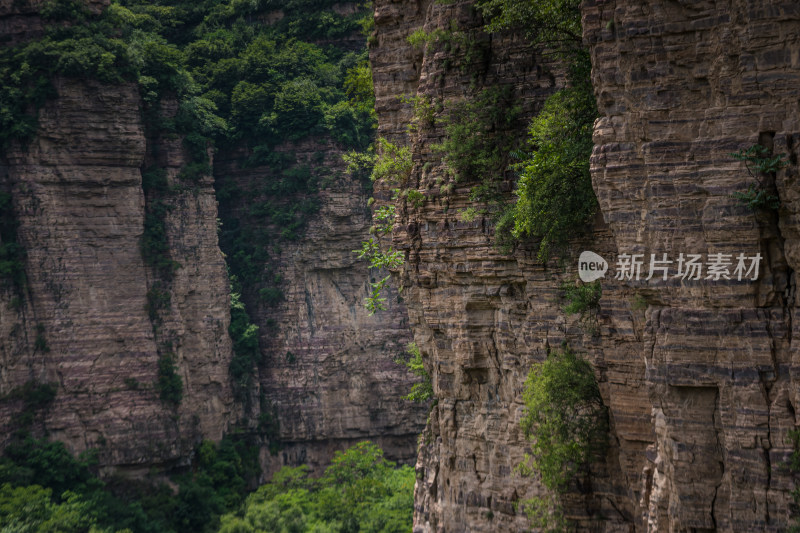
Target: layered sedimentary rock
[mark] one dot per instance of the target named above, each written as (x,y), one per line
(697,375)
(98,317)
(81,320)
(329,374)
(680,86)
(481,317)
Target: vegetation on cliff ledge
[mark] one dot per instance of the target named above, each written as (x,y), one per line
(237,80)
(246,351)
(567,425)
(257,77)
(555,200)
(422,391)
(762,166)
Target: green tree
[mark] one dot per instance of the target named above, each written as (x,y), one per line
(762,166)
(298,108)
(554,23)
(555,196)
(359,86)
(392,163)
(31,509)
(359,491)
(479,133)
(422,391)
(566,423)
(555,201)
(380,258)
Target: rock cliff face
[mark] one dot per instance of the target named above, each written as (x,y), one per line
(95,318)
(480,317)
(698,375)
(81,321)
(328,374)
(679,87)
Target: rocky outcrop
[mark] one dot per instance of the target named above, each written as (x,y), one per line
(101,320)
(480,317)
(328,374)
(680,86)
(697,375)
(81,321)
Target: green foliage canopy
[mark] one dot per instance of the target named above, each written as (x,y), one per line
(360,491)
(555,200)
(565,418)
(44,488)
(581,297)
(555,196)
(555,23)
(479,133)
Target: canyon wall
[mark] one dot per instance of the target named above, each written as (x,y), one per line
(698,376)
(329,375)
(481,317)
(100,320)
(680,86)
(81,320)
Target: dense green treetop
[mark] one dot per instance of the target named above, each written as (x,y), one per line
(237,76)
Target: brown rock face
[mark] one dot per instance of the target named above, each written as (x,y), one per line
(697,375)
(480,317)
(680,86)
(328,371)
(95,317)
(81,322)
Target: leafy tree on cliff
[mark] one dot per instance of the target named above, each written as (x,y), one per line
(566,423)
(555,200)
(554,23)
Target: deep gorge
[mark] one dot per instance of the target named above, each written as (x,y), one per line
(180,288)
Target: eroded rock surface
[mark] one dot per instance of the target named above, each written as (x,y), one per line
(95,316)
(697,375)
(480,317)
(328,373)
(680,86)
(81,321)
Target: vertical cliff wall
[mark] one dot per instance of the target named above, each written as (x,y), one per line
(81,320)
(125,279)
(697,376)
(481,317)
(680,86)
(328,375)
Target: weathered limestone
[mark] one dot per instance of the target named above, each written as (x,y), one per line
(78,197)
(329,370)
(480,317)
(680,86)
(698,376)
